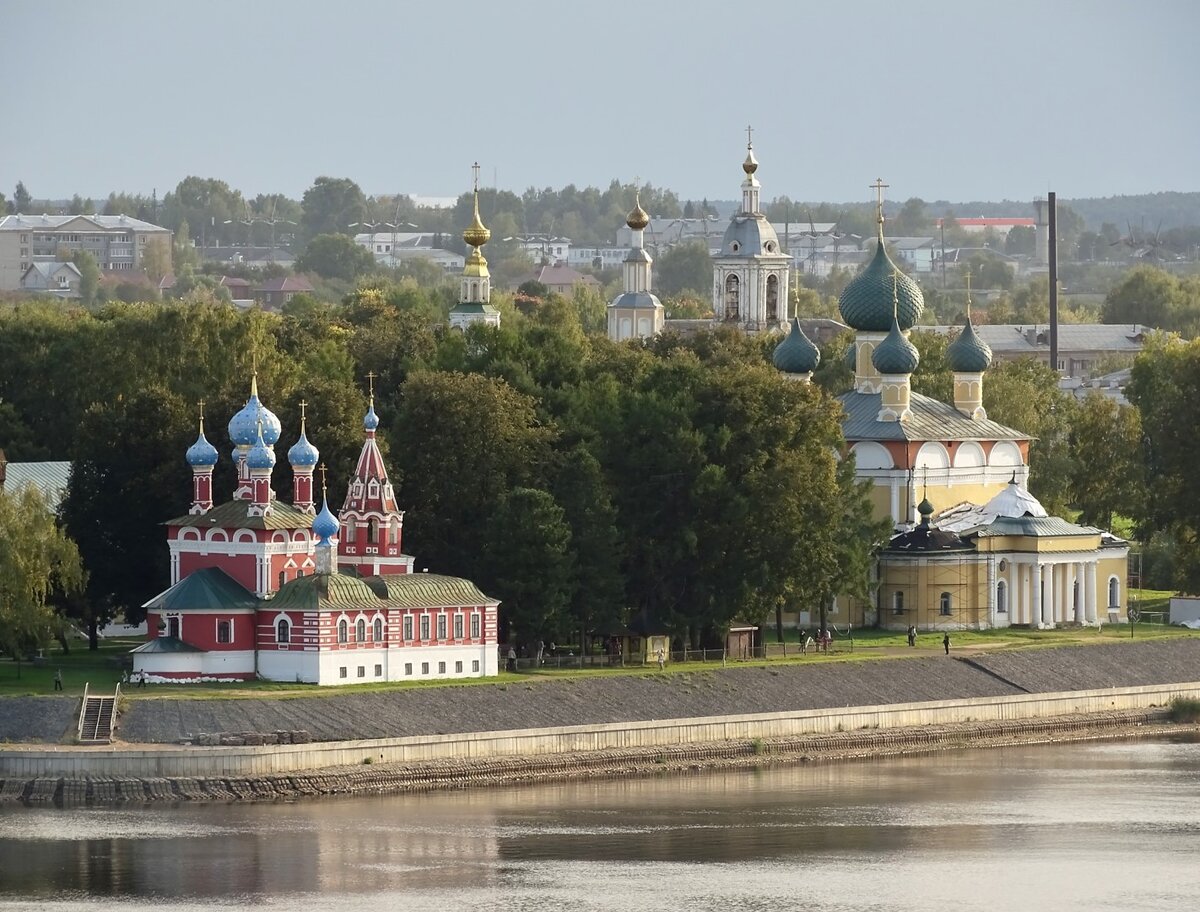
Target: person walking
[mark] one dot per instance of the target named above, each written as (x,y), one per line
(662,659)
(58,679)
(512,659)
(912,635)
(946,643)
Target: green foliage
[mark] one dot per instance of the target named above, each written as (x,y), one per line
(1185,709)
(335,256)
(22,201)
(89,277)
(683,269)
(1107,473)
(331,206)
(1157,299)
(37,562)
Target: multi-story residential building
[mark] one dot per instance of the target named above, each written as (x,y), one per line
(118,242)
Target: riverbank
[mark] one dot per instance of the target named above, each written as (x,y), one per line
(382,778)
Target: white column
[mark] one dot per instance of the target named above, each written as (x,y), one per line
(991,593)
(1089,591)
(1020,597)
(895,485)
(1077,594)
(1035,586)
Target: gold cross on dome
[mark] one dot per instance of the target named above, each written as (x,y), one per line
(371,375)
(201,416)
(475,171)
(303,406)
(749,135)
(323,470)
(968,292)
(879,186)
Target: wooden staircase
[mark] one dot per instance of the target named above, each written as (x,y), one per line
(98,717)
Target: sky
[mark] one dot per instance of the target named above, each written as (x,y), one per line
(943,99)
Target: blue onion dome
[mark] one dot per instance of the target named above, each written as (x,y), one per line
(371,420)
(260,456)
(895,354)
(303,454)
(243,427)
(325,525)
(968,354)
(201,453)
(796,354)
(866,303)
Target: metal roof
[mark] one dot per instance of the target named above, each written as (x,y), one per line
(48,477)
(1012,338)
(233,515)
(207,589)
(1039,526)
(24,222)
(929,420)
(166,644)
(427,590)
(324,591)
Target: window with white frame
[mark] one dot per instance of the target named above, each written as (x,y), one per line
(474,626)
(342,672)
(1001,597)
(944,603)
(441,626)
(378,630)
(475,665)
(406,628)
(343,631)
(379,671)
(458,627)
(360,631)
(408,668)
(283,631)
(458,667)
(441,668)
(1114,593)
(362,671)
(224,632)
(424,668)
(424,627)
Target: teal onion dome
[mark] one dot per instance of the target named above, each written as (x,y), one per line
(866,303)
(243,427)
(925,508)
(325,525)
(201,453)
(260,456)
(796,354)
(371,420)
(895,354)
(303,455)
(968,354)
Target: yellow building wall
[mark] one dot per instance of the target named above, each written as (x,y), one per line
(922,585)
(941,496)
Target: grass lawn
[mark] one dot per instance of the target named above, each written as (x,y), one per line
(101,670)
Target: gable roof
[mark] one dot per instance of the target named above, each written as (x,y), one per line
(286,283)
(166,644)
(23,222)
(929,420)
(207,589)
(50,478)
(323,592)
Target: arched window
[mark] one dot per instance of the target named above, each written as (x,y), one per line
(224,632)
(944,603)
(378,630)
(283,632)
(1114,593)
(1002,597)
(360,631)
(731,297)
(343,632)
(772,297)
(348,531)
(374,539)
(898,602)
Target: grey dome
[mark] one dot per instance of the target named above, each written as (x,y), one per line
(751,234)
(636,300)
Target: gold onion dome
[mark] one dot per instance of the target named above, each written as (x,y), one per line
(477,234)
(750,165)
(638,218)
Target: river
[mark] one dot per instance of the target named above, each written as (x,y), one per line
(1085,826)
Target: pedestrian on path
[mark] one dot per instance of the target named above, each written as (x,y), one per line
(58,679)
(912,635)
(946,643)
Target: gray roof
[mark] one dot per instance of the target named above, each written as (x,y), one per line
(1032,525)
(636,299)
(930,420)
(1016,339)
(48,477)
(751,233)
(51,267)
(21,222)
(166,644)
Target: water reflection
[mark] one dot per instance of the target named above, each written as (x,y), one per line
(1052,825)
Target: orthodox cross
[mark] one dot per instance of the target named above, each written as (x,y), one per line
(303,406)
(475,170)
(896,295)
(968,292)
(323,479)
(749,134)
(201,416)
(879,186)
(371,383)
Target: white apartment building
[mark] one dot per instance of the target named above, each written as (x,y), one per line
(118,242)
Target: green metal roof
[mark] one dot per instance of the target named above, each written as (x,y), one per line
(166,644)
(233,515)
(968,354)
(895,354)
(929,420)
(866,302)
(208,589)
(796,354)
(473,309)
(323,591)
(427,590)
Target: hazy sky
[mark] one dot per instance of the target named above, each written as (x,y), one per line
(951,100)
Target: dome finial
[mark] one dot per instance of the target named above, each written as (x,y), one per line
(896,296)
(750,165)
(879,186)
(968,294)
(324,493)
(477,234)
(202,416)
(303,416)
(254,373)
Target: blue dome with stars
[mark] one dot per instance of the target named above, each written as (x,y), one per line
(260,456)
(201,453)
(243,427)
(371,420)
(303,454)
(325,526)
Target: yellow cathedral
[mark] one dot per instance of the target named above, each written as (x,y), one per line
(972,548)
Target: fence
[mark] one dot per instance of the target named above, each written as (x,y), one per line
(687,656)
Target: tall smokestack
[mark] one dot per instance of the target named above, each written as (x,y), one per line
(1052,249)
(1041,247)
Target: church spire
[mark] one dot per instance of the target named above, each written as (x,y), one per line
(750,186)
(475,287)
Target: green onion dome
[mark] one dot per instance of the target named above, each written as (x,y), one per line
(968,354)
(866,303)
(895,354)
(796,354)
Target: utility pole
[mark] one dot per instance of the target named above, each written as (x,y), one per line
(1052,256)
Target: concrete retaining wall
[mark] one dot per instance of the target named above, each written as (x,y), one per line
(258,761)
